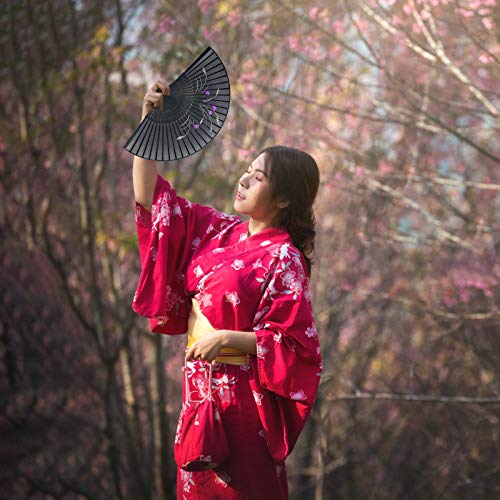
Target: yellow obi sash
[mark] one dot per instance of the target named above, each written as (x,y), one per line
(198,325)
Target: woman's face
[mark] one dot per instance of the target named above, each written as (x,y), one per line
(253,194)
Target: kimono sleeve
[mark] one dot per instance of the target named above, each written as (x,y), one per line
(288,363)
(288,359)
(168,237)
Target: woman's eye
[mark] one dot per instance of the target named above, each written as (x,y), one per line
(259,179)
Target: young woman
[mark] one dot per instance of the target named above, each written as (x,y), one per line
(240,291)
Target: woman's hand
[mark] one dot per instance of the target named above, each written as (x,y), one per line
(207,348)
(153,98)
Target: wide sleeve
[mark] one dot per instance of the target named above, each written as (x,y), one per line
(168,237)
(288,362)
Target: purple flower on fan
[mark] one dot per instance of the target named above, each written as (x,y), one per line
(210,112)
(207,92)
(196,125)
(214,107)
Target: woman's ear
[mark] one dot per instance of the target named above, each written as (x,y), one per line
(282,203)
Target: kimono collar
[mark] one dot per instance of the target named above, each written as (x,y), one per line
(270,233)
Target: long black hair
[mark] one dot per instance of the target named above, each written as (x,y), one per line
(294,177)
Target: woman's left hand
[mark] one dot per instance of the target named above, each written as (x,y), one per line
(207,348)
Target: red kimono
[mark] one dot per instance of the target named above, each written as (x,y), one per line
(257,283)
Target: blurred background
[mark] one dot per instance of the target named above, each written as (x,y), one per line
(398,101)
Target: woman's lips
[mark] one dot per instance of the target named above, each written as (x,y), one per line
(239,196)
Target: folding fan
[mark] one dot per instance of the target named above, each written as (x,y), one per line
(192,115)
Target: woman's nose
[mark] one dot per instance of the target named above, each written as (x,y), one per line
(244,181)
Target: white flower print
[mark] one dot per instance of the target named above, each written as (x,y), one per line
(287,277)
(205,299)
(238,264)
(178,432)
(284,251)
(196,242)
(298,396)
(176,210)
(296,288)
(311,331)
(198,271)
(265,243)
(218,250)
(243,237)
(160,212)
(223,386)
(258,398)
(277,337)
(154,253)
(274,251)
(307,294)
(232,297)
(162,320)
(187,480)
(291,282)
(257,264)
(262,350)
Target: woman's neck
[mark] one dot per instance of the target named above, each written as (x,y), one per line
(256,226)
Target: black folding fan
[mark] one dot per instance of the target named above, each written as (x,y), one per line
(192,115)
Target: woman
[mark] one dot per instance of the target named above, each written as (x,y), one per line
(240,290)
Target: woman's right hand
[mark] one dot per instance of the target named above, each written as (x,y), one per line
(153,98)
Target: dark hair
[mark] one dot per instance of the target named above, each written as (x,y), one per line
(294,177)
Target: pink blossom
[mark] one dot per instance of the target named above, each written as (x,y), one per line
(487,22)
(167,24)
(206,5)
(338,26)
(293,43)
(258,31)
(385,168)
(359,171)
(408,8)
(234,18)
(466,13)
(313,12)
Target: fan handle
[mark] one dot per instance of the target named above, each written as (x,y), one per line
(159,90)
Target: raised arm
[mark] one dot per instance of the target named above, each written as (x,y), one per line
(144,172)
